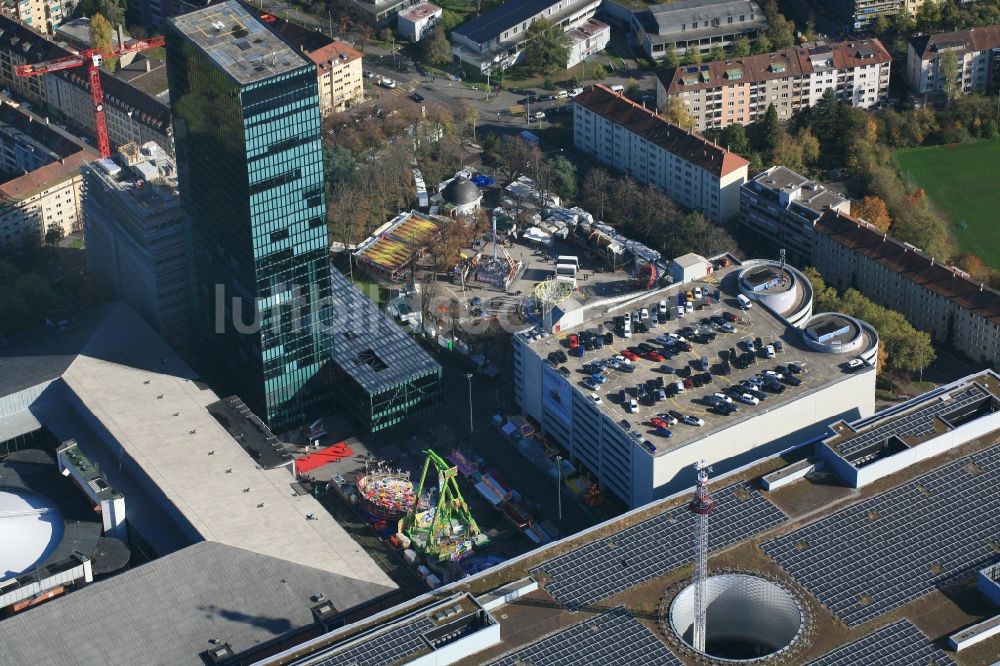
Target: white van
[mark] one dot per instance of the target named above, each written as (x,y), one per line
(618,88)
(744,302)
(680,310)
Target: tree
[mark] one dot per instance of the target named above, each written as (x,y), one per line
(977,269)
(112,10)
(718,53)
(781,32)
(770,128)
(547,48)
(694,55)
(670,60)
(595,190)
(873,210)
(599,73)
(676,112)
(948,70)
(882,24)
(763,44)
(515,156)
(54,234)
(102,37)
(734,138)
(741,47)
(809,145)
(928,15)
(338,163)
(562,176)
(437,50)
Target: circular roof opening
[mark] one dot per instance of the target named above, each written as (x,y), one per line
(747,617)
(31,527)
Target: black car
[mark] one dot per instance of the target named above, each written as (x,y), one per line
(792,380)
(416,97)
(795,368)
(774,387)
(626,368)
(706,377)
(561,355)
(553,358)
(729,316)
(645,347)
(564,370)
(609,338)
(531,99)
(721,408)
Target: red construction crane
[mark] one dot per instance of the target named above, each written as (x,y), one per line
(92,58)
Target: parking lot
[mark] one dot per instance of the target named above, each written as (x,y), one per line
(639,375)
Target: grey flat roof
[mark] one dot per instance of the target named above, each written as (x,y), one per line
(167,611)
(491,24)
(823,369)
(368,346)
(241,45)
(668,18)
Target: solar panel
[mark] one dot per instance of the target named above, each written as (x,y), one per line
(357,327)
(384,649)
(654,547)
(917,423)
(885,551)
(898,644)
(613,637)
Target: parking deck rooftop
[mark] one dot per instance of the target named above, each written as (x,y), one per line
(820,369)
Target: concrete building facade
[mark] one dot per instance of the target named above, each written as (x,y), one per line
(47,192)
(739,90)
(339,72)
(977,54)
(138,237)
(699,25)
(42,15)
(780,206)
(939,299)
(496,39)
(693,171)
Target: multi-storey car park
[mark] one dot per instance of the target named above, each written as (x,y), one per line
(613,418)
(900,572)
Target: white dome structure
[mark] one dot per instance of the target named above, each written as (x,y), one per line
(31,527)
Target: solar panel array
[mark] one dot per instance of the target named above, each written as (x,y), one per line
(899,644)
(358,327)
(614,637)
(885,551)
(915,424)
(382,650)
(654,547)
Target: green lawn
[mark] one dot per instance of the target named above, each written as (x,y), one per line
(963,182)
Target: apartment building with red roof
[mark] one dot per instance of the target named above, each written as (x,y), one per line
(739,90)
(626,136)
(935,297)
(977,56)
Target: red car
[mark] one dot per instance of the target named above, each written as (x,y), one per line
(657,422)
(632,356)
(654,356)
(573,341)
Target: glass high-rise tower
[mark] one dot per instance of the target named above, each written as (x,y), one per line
(250,167)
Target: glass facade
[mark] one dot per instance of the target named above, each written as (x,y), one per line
(250,167)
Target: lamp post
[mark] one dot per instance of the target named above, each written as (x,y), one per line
(559,485)
(468,376)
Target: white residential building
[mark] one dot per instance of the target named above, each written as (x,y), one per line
(497,38)
(416,22)
(586,40)
(340,77)
(693,171)
(739,90)
(46,189)
(42,15)
(977,54)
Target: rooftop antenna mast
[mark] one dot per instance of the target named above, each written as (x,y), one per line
(702,506)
